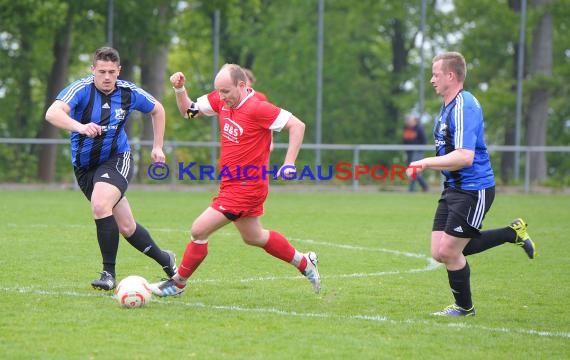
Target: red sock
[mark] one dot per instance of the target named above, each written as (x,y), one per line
(194,254)
(278,246)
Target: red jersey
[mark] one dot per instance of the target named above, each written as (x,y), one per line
(245,135)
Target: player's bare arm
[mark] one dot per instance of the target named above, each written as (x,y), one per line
(296,129)
(58,115)
(455,160)
(158,116)
(186,106)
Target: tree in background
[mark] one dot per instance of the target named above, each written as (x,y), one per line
(141,35)
(540,88)
(371,65)
(57,79)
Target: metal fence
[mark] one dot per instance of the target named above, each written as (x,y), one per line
(356,150)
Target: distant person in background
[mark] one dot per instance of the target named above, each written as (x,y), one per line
(258,94)
(250,82)
(95,109)
(414,134)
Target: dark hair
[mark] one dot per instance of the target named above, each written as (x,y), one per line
(454,62)
(106,53)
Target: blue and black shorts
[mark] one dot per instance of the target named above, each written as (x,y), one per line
(460,213)
(117,171)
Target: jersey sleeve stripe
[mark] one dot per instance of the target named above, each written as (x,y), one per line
(281,120)
(458,137)
(204,106)
(75,88)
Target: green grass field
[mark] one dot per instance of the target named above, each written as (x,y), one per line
(379,284)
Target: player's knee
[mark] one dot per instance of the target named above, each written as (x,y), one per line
(127,229)
(197,233)
(100,209)
(249,240)
(255,236)
(254,240)
(436,256)
(444,255)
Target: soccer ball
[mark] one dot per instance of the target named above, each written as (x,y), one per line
(133,292)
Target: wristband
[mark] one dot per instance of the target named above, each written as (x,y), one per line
(192,110)
(179,90)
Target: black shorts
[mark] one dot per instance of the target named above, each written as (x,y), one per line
(117,171)
(460,213)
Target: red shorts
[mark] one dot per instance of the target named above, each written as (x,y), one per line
(239,199)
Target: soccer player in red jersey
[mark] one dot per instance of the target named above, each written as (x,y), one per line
(246,124)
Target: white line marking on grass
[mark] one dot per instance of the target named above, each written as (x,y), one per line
(431,263)
(374,318)
(32,290)
(362,248)
(286,313)
(430,266)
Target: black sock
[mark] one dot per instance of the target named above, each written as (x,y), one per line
(459,281)
(490,239)
(142,241)
(108,238)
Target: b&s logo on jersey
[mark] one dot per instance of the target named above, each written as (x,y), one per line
(232,130)
(120,114)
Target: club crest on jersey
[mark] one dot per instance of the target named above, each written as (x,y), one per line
(120,114)
(232,130)
(442,128)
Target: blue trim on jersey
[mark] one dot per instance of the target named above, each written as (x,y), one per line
(111,112)
(460,125)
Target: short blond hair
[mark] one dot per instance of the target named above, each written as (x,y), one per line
(454,62)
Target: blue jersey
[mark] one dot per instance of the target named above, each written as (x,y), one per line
(460,126)
(109,111)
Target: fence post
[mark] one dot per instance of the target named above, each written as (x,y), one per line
(173,167)
(527,171)
(355,161)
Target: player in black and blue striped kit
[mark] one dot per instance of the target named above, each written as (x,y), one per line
(469,186)
(95,109)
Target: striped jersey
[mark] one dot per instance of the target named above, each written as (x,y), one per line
(109,111)
(460,125)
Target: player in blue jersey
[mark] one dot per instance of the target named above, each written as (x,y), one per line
(469,186)
(95,109)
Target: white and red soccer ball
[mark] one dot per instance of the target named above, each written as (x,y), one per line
(133,292)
